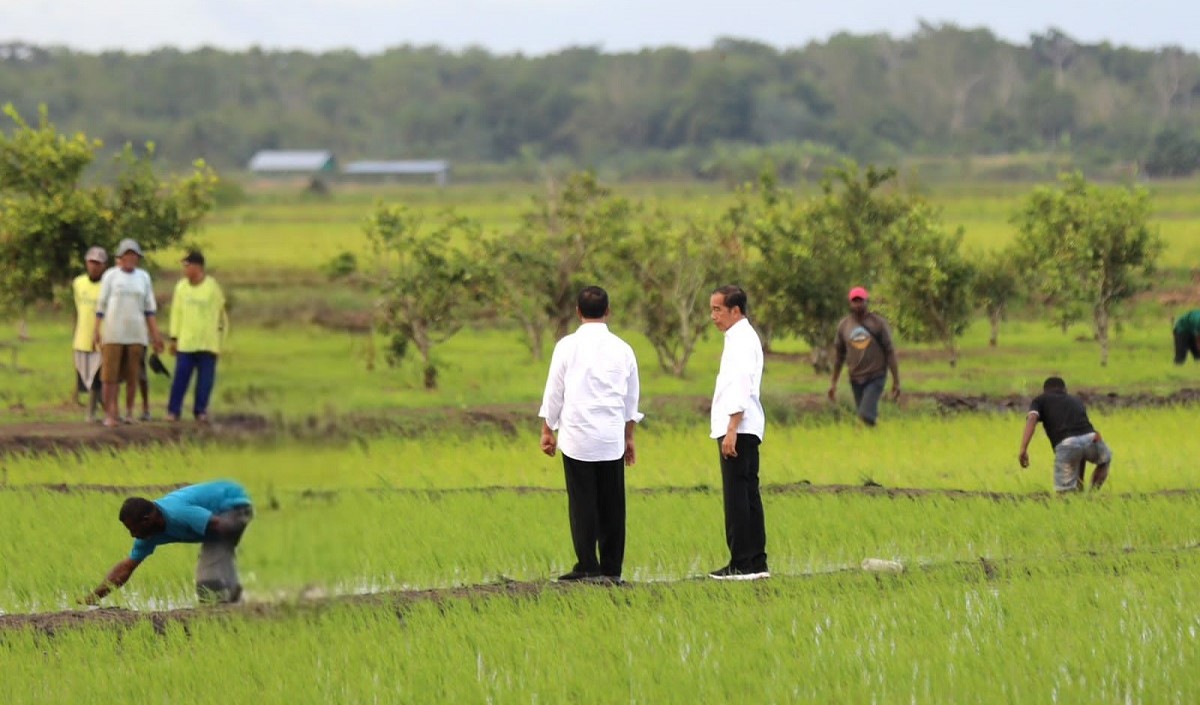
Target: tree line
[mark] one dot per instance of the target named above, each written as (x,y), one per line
(944,90)
(1082,251)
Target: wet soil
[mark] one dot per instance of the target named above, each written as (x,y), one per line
(508,419)
(1119,562)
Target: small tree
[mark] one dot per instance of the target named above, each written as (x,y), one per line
(1092,249)
(809,254)
(580,228)
(674,268)
(929,280)
(48,217)
(426,282)
(997,287)
(523,273)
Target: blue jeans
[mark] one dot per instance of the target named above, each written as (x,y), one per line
(1070,456)
(866,398)
(205,366)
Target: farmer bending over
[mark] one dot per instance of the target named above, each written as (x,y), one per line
(212,514)
(1075,442)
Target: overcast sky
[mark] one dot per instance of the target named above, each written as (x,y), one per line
(540,26)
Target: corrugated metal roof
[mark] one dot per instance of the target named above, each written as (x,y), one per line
(291,160)
(431,166)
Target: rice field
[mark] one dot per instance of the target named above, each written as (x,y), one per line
(412,563)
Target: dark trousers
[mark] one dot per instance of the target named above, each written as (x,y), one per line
(866,398)
(1184,344)
(745,526)
(204,364)
(596,502)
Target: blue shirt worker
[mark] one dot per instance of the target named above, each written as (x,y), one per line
(212,514)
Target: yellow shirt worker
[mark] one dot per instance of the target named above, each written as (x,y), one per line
(198,322)
(86,290)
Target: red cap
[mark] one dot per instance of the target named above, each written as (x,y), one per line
(859,293)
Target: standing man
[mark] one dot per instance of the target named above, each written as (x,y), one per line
(197,321)
(125,325)
(738,423)
(86,289)
(591,400)
(863,343)
(1074,440)
(212,514)
(1187,336)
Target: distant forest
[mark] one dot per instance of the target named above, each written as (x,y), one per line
(944,91)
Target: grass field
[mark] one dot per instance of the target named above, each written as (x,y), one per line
(366,488)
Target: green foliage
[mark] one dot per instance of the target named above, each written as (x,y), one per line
(426,282)
(48,217)
(928,280)
(1088,249)
(1174,153)
(997,286)
(664,111)
(341,266)
(674,268)
(570,237)
(810,253)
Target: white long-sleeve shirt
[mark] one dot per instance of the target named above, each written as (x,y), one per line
(739,382)
(591,392)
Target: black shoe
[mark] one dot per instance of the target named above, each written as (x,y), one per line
(731,573)
(577,575)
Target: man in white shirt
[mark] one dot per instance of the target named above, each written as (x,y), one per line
(125,326)
(737,425)
(591,400)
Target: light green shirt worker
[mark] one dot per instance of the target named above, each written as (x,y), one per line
(198,318)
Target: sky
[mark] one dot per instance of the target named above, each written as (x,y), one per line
(543,26)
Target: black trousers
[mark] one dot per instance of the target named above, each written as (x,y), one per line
(596,503)
(745,526)
(1185,344)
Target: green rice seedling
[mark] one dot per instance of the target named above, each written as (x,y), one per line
(361,541)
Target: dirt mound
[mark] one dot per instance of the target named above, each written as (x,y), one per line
(50,623)
(508,419)
(47,437)
(1119,561)
(870,489)
(1097,399)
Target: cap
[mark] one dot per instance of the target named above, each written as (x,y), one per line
(96,254)
(859,293)
(194,257)
(128,245)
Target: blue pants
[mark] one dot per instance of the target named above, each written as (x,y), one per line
(866,398)
(205,366)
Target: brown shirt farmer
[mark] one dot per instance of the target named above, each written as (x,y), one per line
(865,347)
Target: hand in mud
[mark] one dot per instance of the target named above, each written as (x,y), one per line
(90,601)
(549,444)
(1023,458)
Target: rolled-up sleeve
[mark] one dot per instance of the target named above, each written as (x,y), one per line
(552,397)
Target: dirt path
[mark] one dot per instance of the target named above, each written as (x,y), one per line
(793,488)
(982,568)
(510,419)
